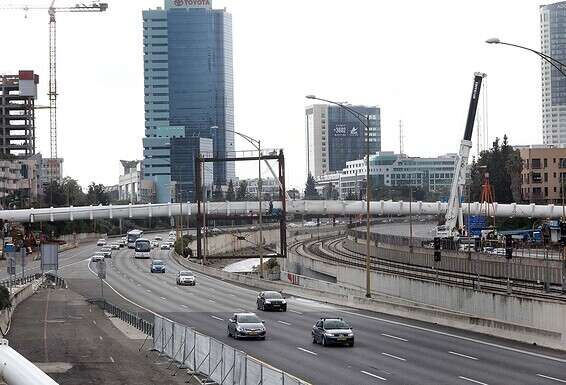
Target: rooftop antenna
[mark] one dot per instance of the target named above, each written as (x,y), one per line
(401,144)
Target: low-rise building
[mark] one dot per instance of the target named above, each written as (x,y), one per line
(51,170)
(20,181)
(544,173)
(269,186)
(393,170)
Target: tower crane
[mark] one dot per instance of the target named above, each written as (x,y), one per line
(52,10)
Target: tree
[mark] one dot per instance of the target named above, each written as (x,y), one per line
(310,189)
(230,194)
(504,165)
(329,192)
(242,193)
(96,195)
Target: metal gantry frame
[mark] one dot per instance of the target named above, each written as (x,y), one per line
(201,160)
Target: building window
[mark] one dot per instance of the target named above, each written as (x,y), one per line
(545,163)
(535,163)
(546,176)
(546,191)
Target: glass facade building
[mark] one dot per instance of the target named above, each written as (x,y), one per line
(334,136)
(188,81)
(553,43)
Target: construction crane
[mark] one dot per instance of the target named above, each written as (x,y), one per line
(453,216)
(52,11)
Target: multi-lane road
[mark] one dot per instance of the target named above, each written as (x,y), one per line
(388,349)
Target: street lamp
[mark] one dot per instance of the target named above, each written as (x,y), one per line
(559,66)
(552,61)
(364,119)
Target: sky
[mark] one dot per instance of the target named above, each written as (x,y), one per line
(414,59)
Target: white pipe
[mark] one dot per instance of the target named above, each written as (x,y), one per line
(293,207)
(15,369)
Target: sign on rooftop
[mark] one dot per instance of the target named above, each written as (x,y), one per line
(172,4)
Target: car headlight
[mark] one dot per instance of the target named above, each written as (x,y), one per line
(350,334)
(267,301)
(239,328)
(328,334)
(283,302)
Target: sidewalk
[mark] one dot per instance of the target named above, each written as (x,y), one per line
(75,343)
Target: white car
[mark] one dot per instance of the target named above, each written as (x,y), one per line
(97,257)
(171,233)
(106,251)
(186,277)
(115,246)
(101,242)
(154,244)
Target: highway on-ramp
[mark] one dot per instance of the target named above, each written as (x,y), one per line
(387,350)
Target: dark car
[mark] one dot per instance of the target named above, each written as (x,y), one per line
(246,325)
(157,266)
(271,300)
(332,331)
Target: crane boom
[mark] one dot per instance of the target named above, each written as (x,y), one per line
(454,213)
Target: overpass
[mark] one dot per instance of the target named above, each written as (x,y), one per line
(318,207)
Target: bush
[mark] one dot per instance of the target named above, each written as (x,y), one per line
(4,298)
(182,246)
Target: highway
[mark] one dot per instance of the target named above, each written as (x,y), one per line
(388,349)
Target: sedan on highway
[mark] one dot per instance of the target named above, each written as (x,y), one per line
(98,256)
(246,325)
(165,246)
(101,242)
(332,331)
(107,250)
(115,246)
(157,266)
(271,300)
(186,277)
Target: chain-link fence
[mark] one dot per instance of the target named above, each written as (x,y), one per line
(213,359)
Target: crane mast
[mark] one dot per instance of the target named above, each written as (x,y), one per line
(453,216)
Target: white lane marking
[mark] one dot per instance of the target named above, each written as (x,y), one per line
(469,339)
(100,338)
(94,322)
(472,380)
(149,291)
(463,355)
(394,337)
(373,375)
(112,359)
(551,378)
(241,310)
(395,357)
(211,300)
(217,318)
(296,312)
(163,298)
(307,351)
(127,299)
(185,306)
(284,323)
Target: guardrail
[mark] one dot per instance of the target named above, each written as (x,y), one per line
(209,357)
(20,281)
(131,319)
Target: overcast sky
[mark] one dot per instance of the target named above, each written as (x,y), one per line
(415,59)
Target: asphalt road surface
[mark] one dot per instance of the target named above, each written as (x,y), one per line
(388,349)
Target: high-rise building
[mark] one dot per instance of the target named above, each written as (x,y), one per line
(188,90)
(334,136)
(17,118)
(552,32)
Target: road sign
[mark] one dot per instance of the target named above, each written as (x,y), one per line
(49,256)
(11,263)
(101,266)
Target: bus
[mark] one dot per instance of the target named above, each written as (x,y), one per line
(142,248)
(133,235)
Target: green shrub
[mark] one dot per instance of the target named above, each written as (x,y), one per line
(4,298)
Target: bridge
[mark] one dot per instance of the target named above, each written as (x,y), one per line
(318,207)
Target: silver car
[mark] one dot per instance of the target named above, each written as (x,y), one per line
(246,325)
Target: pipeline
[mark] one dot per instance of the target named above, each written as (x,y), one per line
(318,207)
(15,369)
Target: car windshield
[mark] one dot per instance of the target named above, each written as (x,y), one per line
(99,253)
(143,246)
(273,295)
(186,273)
(248,319)
(158,262)
(335,324)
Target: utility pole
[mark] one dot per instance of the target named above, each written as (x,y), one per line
(410,220)
(368,197)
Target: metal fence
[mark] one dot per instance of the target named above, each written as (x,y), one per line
(132,319)
(20,281)
(209,357)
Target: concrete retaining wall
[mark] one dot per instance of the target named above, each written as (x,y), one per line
(17,296)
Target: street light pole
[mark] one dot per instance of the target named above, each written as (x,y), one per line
(259,188)
(364,119)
